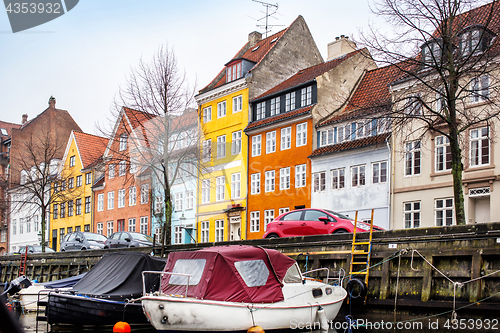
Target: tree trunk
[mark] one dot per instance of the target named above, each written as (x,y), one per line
(44,211)
(456,171)
(166,230)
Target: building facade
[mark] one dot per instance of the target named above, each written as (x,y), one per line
(224,114)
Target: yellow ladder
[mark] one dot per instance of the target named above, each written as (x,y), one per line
(361,252)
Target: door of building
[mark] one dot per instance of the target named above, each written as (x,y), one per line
(235,228)
(482,211)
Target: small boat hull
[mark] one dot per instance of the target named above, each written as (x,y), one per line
(80,310)
(174,313)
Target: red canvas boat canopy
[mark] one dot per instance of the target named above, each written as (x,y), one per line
(234,273)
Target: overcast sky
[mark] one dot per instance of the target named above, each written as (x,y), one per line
(82,57)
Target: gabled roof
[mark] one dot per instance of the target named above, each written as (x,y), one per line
(186,120)
(348,145)
(254,54)
(137,118)
(90,147)
(279,117)
(371,96)
(308,74)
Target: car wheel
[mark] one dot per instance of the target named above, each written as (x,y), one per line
(63,250)
(106,247)
(131,246)
(272,236)
(340,231)
(83,249)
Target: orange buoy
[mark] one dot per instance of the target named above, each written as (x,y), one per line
(121,327)
(255,329)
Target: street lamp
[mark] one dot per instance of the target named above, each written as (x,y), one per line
(40,238)
(182,219)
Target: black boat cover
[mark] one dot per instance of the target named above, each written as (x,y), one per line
(118,276)
(64,283)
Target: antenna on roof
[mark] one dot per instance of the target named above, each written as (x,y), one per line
(274,9)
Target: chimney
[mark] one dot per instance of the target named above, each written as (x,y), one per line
(254,38)
(25,118)
(52,102)
(341,46)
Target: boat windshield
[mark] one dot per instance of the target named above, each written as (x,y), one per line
(293,275)
(253,272)
(193,267)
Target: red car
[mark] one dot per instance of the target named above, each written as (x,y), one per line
(310,221)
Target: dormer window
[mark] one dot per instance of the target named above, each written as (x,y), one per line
(474,40)
(233,71)
(431,53)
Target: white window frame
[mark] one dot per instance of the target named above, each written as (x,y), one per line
(285,178)
(480,89)
(237,103)
(256,145)
(189,200)
(143,225)
(177,235)
(207,150)
(286,138)
(270,142)
(269,181)
(260,112)
(236,143)
(179,199)
(319,181)
(444,210)
(109,228)
(268,217)
(379,173)
(123,142)
(221,109)
(220,187)
(300,175)
(132,196)
(442,153)
(479,141)
(111,171)
(301,135)
(290,101)
(338,178)
(205,191)
(144,194)
(221,146)
(204,231)
(306,96)
(275,106)
(219,230)
(326,137)
(255,221)
(111,200)
(100,202)
(236,185)
(207,114)
(358,175)
(410,212)
(121,198)
(255,183)
(72,161)
(131,224)
(99,227)
(413,158)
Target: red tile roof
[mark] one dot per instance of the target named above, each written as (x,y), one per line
(246,52)
(137,118)
(91,148)
(307,74)
(279,117)
(347,145)
(187,119)
(371,96)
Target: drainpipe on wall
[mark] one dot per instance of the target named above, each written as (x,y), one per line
(391,182)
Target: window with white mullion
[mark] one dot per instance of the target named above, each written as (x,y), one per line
(269,179)
(479,147)
(270,142)
(412,214)
(275,106)
(286,138)
(444,212)
(261,111)
(285,178)
(412,158)
(256,145)
(290,101)
(338,178)
(301,135)
(300,175)
(358,176)
(255,183)
(443,153)
(306,96)
(220,188)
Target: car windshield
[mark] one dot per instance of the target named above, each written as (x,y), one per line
(340,216)
(142,237)
(94,237)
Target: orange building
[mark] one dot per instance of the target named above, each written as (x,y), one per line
(122,189)
(281,135)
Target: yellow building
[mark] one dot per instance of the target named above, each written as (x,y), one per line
(224,114)
(72,210)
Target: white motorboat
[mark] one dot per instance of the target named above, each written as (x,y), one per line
(232,288)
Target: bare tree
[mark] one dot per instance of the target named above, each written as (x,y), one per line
(43,182)
(445,52)
(167,143)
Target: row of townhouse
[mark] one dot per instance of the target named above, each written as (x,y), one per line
(277,129)
(321,137)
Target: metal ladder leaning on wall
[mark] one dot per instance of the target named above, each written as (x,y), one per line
(361,253)
(22,266)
